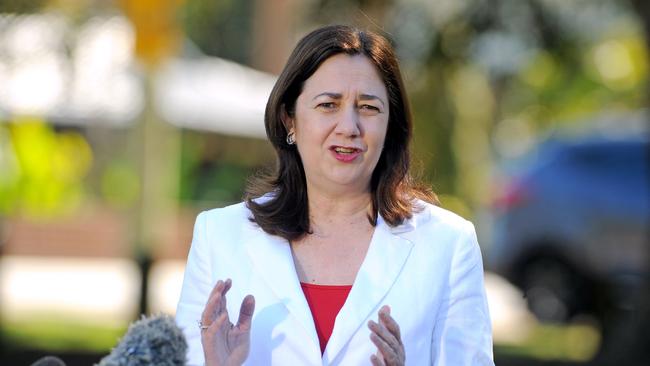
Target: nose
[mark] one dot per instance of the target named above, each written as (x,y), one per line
(348,123)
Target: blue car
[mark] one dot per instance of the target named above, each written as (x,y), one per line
(571,227)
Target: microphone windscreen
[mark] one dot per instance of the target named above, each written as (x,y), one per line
(155,340)
(49,361)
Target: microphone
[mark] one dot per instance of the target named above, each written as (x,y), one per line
(155,340)
(49,361)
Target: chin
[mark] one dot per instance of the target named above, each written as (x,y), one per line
(349,181)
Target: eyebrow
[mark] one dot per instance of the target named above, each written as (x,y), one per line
(361,97)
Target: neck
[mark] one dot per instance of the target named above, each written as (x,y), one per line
(328,211)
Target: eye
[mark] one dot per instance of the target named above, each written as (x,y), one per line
(326,105)
(369,107)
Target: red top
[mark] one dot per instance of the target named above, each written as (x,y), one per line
(325,302)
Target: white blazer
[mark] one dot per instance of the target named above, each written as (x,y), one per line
(429,271)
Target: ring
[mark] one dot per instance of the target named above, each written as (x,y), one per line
(201,326)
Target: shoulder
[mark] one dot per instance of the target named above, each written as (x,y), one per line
(235,211)
(223,218)
(234,214)
(224,226)
(440,232)
(431,217)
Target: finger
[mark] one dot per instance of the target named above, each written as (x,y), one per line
(226,287)
(246,313)
(376,361)
(390,323)
(218,325)
(218,296)
(389,353)
(218,287)
(213,305)
(382,332)
(380,357)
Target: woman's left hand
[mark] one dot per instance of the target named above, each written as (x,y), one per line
(386,336)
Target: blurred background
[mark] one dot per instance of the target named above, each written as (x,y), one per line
(121,120)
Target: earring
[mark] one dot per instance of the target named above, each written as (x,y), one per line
(291,138)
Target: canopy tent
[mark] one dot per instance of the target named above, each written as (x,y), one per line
(214,95)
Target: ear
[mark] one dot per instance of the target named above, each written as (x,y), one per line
(287,120)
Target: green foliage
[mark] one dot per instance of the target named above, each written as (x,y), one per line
(42,170)
(120,184)
(220,28)
(20,6)
(433,126)
(215,168)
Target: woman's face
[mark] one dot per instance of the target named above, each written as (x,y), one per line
(340,122)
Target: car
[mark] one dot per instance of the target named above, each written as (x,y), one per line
(571,226)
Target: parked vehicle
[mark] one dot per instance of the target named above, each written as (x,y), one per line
(571,229)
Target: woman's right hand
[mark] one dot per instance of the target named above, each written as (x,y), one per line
(225,344)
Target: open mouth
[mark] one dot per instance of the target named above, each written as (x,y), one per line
(345,150)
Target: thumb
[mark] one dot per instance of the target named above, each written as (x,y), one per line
(246,312)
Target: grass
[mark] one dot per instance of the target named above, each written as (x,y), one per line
(60,333)
(575,342)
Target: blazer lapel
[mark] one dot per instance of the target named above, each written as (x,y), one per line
(387,254)
(272,259)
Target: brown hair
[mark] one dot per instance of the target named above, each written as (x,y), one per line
(286,211)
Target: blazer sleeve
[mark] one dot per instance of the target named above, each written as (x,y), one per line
(195,291)
(462,335)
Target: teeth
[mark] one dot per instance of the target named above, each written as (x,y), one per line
(344,150)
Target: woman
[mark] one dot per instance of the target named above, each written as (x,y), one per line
(338,258)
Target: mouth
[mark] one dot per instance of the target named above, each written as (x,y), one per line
(345,150)
(346,154)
